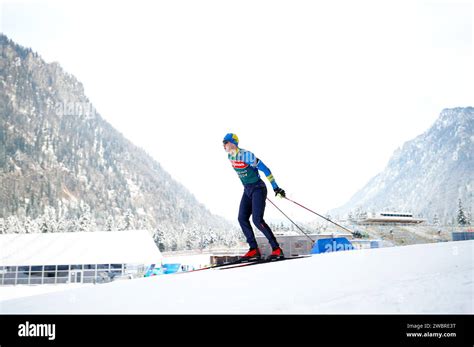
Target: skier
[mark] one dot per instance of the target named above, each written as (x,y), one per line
(246,164)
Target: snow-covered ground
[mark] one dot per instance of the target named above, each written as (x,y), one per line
(425,278)
(21,291)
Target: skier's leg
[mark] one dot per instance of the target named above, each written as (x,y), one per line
(245,211)
(259,197)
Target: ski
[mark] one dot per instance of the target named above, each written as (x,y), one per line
(236,262)
(261,261)
(241,263)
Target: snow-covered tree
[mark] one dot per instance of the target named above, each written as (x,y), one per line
(436,220)
(469,218)
(192,238)
(130,221)
(63,225)
(43,225)
(73,225)
(145,223)
(31,227)
(119,223)
(159,238)
(109,224)
(3,227)
(207,238)
(461,218)
(49,218)
(173,243)
(86,223)
(46,224)
(13,225)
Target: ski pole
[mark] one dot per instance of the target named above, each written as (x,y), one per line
(291,220)
(340,226)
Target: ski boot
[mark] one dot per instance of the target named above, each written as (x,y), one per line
(252,255)
(277,254)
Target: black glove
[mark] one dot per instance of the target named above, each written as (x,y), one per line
(279,191)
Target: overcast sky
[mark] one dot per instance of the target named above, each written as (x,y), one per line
(322,92)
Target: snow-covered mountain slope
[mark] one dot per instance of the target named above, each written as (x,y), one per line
(428,174)
(426,278)
(65,168)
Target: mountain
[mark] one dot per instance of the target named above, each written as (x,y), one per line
(59,159)
(428,175)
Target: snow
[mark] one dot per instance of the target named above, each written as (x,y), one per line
(129,246)
(425,278)
(21,291)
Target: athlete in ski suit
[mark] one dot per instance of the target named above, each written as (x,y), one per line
(247,165)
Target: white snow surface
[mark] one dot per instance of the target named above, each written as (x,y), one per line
(104,247)
(23,290)
(424,278)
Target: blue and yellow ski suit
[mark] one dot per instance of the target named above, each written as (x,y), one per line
(247,166)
